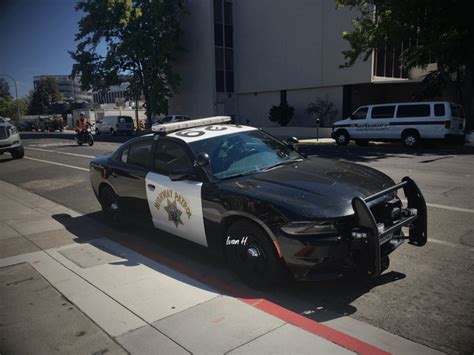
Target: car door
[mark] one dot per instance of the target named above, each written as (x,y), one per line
(128,174)
(176,206)
(358,121)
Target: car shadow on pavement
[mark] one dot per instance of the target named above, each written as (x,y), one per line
(193,264)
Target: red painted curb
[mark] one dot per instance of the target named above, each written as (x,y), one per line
(312,326)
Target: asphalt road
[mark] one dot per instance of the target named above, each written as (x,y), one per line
(427,295)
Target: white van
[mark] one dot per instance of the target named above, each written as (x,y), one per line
(114,125)
(410,122)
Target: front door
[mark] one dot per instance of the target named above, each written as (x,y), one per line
(176,206)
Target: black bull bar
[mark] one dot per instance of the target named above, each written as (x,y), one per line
(413,216)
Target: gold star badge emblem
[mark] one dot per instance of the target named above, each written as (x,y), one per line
(174,213)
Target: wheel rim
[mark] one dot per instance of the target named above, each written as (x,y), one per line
(111,207)
(341,138)
(250,260)
(410,140)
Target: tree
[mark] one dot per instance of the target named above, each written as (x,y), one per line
(323,110)
(440,31)
(141,39)
(45,92)
(5,98)
(281,114)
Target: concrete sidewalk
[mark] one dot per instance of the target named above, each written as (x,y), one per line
(85,293)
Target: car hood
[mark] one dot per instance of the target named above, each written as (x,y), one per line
(313,188)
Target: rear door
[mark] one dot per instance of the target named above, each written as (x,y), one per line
(176,206)
(457,119)
(128,174)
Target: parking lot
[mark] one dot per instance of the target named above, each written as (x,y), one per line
(427,294)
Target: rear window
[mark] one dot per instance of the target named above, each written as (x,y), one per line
(383,111)
(439,110)
(125,119)
(139,154)
(413,110)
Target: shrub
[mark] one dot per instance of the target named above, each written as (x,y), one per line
(281,114)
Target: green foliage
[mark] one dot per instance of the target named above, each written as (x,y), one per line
(282,114)
(141,39)
(322,109)
(45,92)
(8,105)
(4,90)
(441,29)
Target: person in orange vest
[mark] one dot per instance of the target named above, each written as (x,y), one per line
(82,123)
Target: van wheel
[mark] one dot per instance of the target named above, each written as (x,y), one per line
(362,142)
(252,256)
(342,138)
(411,139)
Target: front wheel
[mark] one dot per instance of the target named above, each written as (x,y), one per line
(342,138)
(411,139)
(18,153)
(252,256)
(90,140)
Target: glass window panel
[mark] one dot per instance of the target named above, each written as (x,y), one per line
(413,110)
(383,111)
(219,80)
(219,58)
(229,41)
(217,11)
(228,13)
(439,110)
(360,114)
(229,81)
(229,60)
(218,35)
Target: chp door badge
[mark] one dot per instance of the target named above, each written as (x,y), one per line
(176,205)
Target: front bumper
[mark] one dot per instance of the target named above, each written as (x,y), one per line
(365,239)
(9,145)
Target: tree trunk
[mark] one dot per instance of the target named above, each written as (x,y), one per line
(467,97)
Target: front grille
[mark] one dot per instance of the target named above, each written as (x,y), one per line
(387,212)
(4,133)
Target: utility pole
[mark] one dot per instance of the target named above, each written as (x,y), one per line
(16,95)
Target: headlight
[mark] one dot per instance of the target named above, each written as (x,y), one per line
(309,228)
(13,130)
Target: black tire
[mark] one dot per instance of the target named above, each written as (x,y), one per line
(18,153)
(97,132)
(342,138)
(80,142)
(110,205)
(362,142)
(112,132)
(90,140)
(411,138)
(254,258)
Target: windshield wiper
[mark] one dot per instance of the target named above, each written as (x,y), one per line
(281,163)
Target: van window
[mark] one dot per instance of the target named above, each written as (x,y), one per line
(383,111)
(125,119)
(413,110)
(360,114)
(439,110)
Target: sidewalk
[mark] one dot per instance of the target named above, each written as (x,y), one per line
(83,292)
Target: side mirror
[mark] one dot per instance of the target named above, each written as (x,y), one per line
(202,160)
(181,174)
(292,142)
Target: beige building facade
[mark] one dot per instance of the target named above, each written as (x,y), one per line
(244,56)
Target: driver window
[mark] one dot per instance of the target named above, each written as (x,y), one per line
(170,156)
(360,114)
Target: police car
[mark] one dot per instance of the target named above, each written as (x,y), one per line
(254,199)
(410,122)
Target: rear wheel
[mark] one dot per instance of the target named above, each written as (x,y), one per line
(18,153)
(411,138)
(252,256)
(342,138)
(110,205)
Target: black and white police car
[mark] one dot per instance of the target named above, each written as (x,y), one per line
(254,199)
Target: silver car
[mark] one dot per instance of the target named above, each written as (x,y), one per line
(10,141)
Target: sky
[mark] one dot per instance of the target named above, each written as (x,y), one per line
(35,37)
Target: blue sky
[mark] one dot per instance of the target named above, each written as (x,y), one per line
(35,36)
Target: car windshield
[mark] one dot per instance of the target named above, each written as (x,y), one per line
(125,119)
(243,153)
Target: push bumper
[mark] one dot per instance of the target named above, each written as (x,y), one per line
(377,234)
(366,238)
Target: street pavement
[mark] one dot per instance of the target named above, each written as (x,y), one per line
(426,296)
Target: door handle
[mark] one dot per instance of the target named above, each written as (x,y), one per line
(151,187)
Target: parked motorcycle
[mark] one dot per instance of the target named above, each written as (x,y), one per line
(85,136)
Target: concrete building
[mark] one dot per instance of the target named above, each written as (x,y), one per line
(70,88)
(244,56)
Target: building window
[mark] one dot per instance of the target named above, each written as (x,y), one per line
(224,43)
